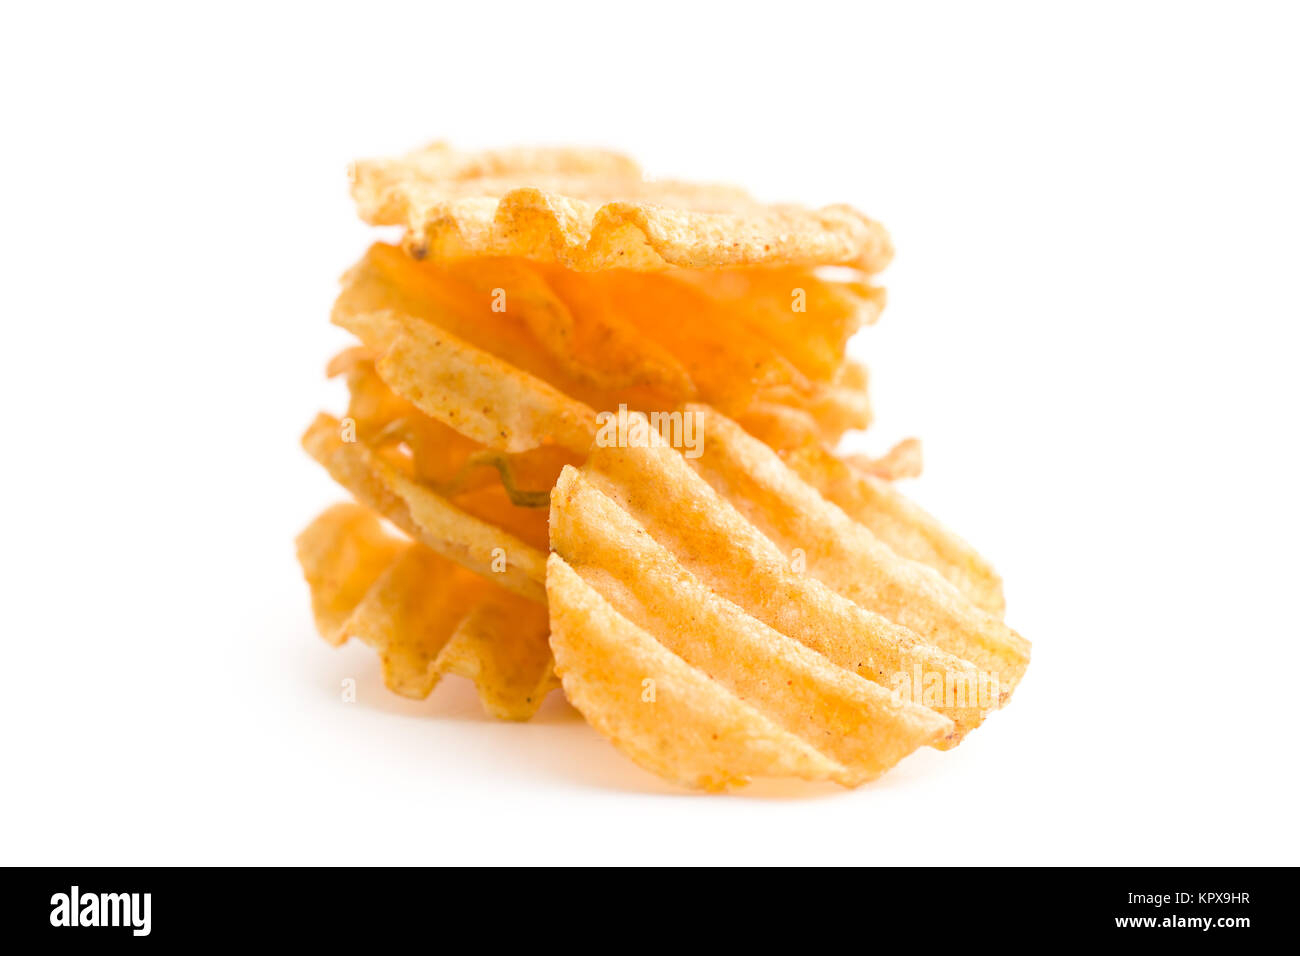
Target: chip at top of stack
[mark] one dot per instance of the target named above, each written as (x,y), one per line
(589,209)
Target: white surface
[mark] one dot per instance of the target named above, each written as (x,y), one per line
(1092,325)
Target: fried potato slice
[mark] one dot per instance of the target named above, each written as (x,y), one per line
(860,726)
(564,343)
(722,344)
(589,210)
(474,392)
(451,463)
(807,317)
(847,556)
(425,515)
(425,616)
(342,553)
(692,732)
(598,347)
(388,292)
(731,556)
(904,526)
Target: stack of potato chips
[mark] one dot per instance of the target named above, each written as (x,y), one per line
(599,412)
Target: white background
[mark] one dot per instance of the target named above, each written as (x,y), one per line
(1092,325)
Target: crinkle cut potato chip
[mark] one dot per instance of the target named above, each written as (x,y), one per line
(515,355)
(712,532)
(424,616)
(590,210)
(675,559)
(439,456)
(809,315)
(899,523)
(714,658)
(425,515)
(845,555)
(701,735)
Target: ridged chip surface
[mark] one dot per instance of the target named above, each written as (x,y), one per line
(780,624)
(424,615)
(591,210)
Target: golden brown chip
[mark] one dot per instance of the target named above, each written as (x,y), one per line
(424,615)
(342,553)
(597,347)
(861,727)
(846,555)
(562,344)
(727,347)
(902,525)
(718,544)
(474,392)
(806,317)
(425,515)
(441,457)
(681,725)
(590,210)
(463,300)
